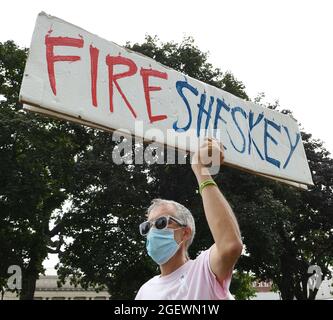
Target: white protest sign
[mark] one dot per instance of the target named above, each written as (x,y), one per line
(78,76)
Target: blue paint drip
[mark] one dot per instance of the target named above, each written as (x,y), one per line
(266,136)
(251,126)
(210,107)
(219,105)
(202,111)
(292,147)
(233,113)
(180,85)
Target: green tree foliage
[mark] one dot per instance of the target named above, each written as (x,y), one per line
(107,206)
(286,230)
(188,59)
(242,286)
(121,254)
(46,162)
(37,159)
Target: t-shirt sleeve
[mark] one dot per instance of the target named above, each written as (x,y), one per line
(218,290)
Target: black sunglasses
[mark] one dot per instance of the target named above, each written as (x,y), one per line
(160,223)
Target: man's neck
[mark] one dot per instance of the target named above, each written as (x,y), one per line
(173,264)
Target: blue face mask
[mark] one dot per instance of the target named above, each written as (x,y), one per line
(161,245)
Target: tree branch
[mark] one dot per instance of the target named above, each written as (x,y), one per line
(56,229)
(57,244)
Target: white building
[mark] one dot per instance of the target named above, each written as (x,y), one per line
(47,289)
(264,291)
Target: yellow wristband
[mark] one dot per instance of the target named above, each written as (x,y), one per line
(206,183)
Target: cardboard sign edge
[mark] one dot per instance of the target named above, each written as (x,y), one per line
(57,115)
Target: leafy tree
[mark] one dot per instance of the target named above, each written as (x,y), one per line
(107,206)
(188,59)
(269,215)
(108,260)
(242,286)
(37,157)
(287,230)
(45,163)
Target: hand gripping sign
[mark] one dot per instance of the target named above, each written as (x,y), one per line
(77,76)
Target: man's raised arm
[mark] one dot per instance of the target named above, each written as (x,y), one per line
(221,219)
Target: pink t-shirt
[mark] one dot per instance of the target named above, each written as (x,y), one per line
(194,280)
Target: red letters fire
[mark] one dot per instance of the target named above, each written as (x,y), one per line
(110,61)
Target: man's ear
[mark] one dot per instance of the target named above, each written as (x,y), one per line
(187,233)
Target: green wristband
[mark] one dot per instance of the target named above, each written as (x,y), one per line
(206,183)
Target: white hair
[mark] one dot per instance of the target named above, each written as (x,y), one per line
(181,213)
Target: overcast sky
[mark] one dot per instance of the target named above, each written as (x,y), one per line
(283,48)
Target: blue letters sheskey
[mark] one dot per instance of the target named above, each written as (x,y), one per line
(226,115)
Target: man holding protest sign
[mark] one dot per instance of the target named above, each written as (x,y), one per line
(115,89)
(170,230)
(112,88)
